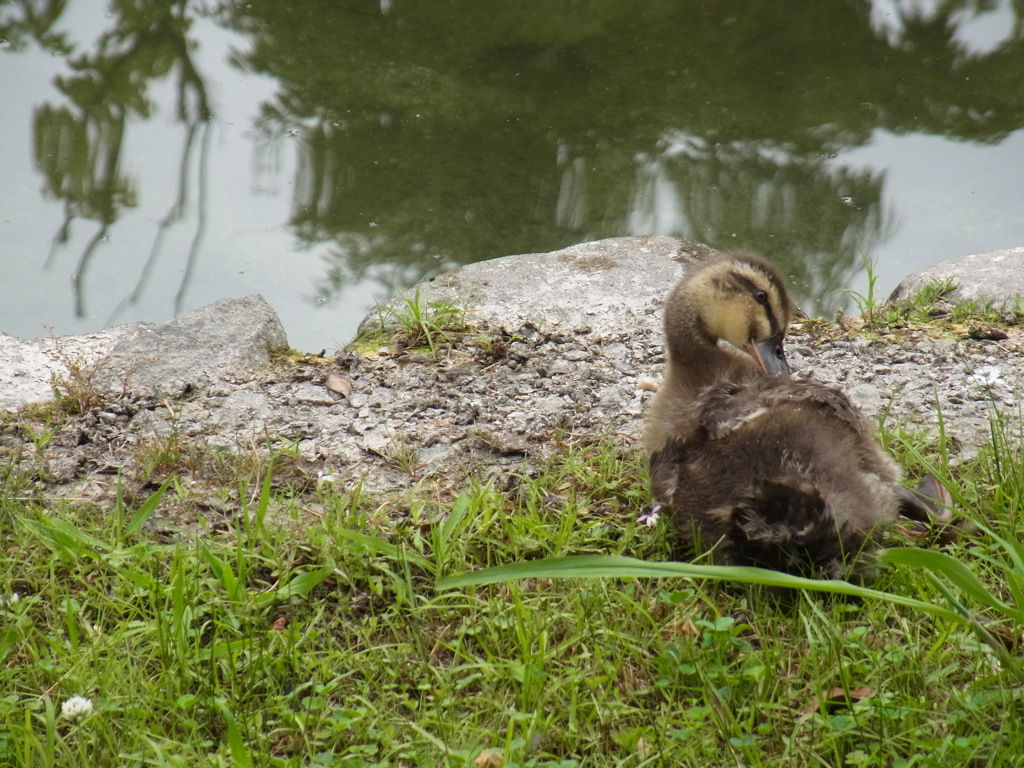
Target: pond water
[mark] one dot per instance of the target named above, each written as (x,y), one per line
(158,155)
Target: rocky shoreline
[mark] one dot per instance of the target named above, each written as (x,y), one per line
(560,346)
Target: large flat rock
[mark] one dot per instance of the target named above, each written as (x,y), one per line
(611,284)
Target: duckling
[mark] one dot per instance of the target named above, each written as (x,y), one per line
(766,470)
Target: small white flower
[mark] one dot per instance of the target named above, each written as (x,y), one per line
(76,708)
(993,661)
(650,517)
(9,600)
(325,481)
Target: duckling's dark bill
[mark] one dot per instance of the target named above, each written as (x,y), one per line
(770,354)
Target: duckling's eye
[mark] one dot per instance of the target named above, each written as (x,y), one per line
(761,297)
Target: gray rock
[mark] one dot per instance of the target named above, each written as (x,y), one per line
(996,276)
(222,343)
(229,340)
(614,283)
(28,367)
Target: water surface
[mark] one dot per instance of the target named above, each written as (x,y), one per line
(160,155)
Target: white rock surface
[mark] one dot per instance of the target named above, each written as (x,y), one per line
(228,340)
(602,285)
(27,366)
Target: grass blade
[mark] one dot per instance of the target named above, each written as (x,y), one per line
(239,754)
(67,538)
(299,586)
(385,548)
(956,572)
(617,566)
(147,509)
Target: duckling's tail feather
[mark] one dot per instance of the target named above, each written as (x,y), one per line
(785,525)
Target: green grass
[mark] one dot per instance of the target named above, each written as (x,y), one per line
(412,323)
(928,305)
(867,304)
(316,631)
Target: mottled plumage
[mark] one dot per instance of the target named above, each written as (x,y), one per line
(780,474)
(761,469)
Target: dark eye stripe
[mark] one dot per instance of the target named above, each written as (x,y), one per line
(745,281)
(760,296)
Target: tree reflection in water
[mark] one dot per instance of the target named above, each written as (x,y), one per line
(436,134)
(79,145)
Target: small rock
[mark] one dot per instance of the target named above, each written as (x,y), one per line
(414,358)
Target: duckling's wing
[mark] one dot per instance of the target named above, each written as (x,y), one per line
(722,410)
(783,522)
(725,408)
(788,472)
(828,401)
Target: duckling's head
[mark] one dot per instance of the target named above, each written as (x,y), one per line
(734,305)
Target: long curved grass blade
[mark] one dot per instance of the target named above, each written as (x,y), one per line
(617,566)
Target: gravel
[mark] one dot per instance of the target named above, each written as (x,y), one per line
(473,415)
